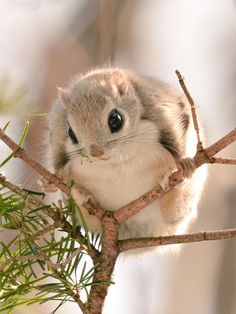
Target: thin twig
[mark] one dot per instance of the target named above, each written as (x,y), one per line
(223,161)
(222,143)
(193,110)
(16,189)
(70,258)
(130,244)
(28,258)
(21,154)
(43,232)
(207,155)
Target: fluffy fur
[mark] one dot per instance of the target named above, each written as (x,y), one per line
(157,132)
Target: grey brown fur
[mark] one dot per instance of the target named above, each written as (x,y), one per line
(157,131)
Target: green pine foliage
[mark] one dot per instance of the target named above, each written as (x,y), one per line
(40,262)
(37,263)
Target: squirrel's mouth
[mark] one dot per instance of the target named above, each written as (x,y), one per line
(88,158)
(104,158)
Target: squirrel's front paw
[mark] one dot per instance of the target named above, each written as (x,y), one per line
(187,167)
(46,186)
(165,179)
(80,195)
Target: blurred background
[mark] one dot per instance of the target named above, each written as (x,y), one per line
(43,44)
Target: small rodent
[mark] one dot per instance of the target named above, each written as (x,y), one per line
(118,134)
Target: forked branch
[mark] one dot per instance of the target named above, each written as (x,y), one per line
(111,221)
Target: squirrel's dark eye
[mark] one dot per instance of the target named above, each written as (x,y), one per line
(115,121)
(72,135)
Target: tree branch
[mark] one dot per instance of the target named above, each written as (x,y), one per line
(202,157)
(124,213)
(106,263)
(207,155)
(59,220)
(130,244)
(21,154)
(193,110)
(226,161)
(222,143)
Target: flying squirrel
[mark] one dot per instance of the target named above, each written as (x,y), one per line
(116,135)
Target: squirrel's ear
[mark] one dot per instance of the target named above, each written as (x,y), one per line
(119,84)
(64,95)
(123,86)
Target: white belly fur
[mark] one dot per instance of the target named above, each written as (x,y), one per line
(114,186)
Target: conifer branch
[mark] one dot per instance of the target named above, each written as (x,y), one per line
(47,261)
(59,220)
